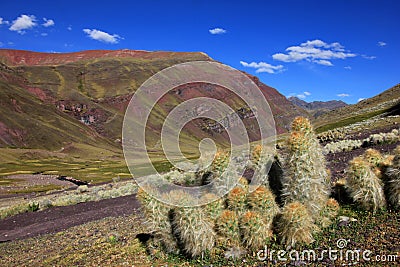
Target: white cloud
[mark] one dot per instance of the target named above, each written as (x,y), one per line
(360,99)
(217,31)
(43,34)
(307,93)
(381,43)
(262,67)
(69,28)
(22,23)
(324,62)
(4,21)
(102,36)
(301,96)
(343,95)
(315,51)
(368,57)
(48,22)
(347,67)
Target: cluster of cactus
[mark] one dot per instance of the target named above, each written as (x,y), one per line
(383,138)
(245,217)
(364,186)
(332,135)
(373,139)
(342,146)
(306,178)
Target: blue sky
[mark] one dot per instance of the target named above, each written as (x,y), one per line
(318,50)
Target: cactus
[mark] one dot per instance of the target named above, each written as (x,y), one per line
(237,199)
(215,207)
(364,186)
(195,230)
(262,200)
(306,179)
(393,174)
(295,225)
(255,232)
(158,221)
(256,153)
(328,213)
(227,225)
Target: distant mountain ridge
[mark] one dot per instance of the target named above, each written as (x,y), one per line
(314,105)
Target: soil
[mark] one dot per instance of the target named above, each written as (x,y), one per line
(56,219)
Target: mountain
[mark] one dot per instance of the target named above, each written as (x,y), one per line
(386,103)
(315,105)
(52,100)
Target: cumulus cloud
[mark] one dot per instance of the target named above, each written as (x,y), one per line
(301,95)
(48,22)
(316,51)
(381,43)
(262,67)
(217,31)
(368,57)
(343,95)
(2,21)
(102,36)
(360,99)
(22,23)
(347,67)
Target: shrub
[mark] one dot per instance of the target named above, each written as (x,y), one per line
(393,173)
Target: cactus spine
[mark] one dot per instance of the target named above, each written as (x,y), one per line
(262,200)
(195,230)
(237,199)
(328,213)
(306,178)
(227,225)
(255,232)
(393,174)
(364,186)
(158,220)
(296,225)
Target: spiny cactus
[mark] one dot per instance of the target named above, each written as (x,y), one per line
(393,174)
(195,230)
(255,232)
(158,221)
(328,213)
(227,225)
(220,162)
(306,179)
(373,157)
(295,225)
(237,199)
(215,207)
(262,200)
(256,153)
(364,186)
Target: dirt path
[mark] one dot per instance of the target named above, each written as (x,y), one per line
(56,219)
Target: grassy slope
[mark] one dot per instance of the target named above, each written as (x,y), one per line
(365,109)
